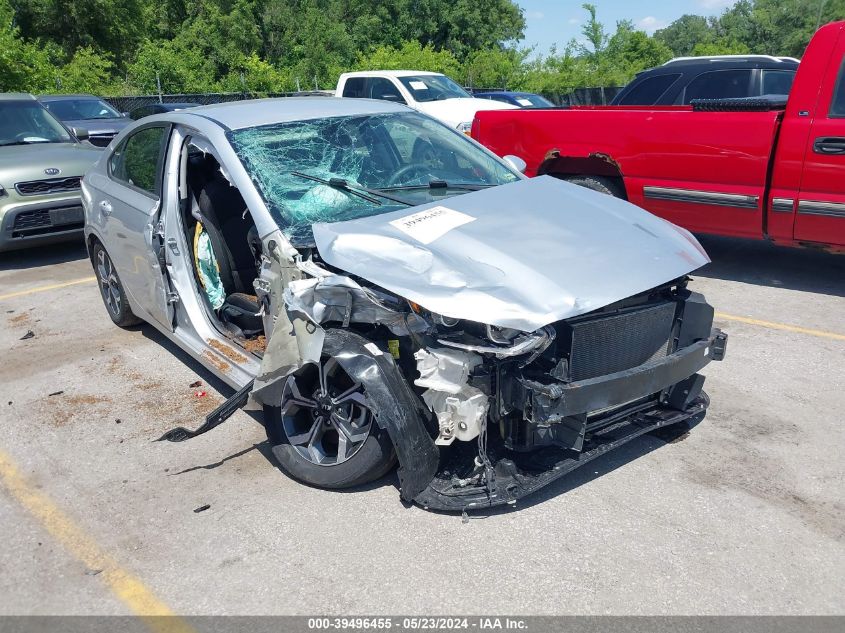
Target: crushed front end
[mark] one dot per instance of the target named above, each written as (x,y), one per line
(602,380)
(481,415)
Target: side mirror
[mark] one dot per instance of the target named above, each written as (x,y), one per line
(125,115)
(516,162)
(80,133)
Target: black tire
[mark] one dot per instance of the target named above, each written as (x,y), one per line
(597,183)
(111,289)
(369,460)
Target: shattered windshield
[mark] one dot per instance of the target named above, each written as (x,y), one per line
(407,156)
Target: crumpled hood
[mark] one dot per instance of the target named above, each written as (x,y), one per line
(520,255)
(455,111)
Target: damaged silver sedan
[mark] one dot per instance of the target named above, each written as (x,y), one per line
(389,290)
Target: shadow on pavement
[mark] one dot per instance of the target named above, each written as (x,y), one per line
(764,264)
(43,256)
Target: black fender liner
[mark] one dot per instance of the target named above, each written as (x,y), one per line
(397,409)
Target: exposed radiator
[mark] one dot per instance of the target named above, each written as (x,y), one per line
(614,343)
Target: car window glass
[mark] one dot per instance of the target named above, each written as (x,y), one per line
(837,105)
(433,88)
(137,160)
(777,82)
(381,88)
(354,87)
(648,91)
(24,122)
(719,84)
(537,101)
(81,109)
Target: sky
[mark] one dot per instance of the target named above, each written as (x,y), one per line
(558,21)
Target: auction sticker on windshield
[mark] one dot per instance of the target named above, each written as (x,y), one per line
(418,85)
(426,226)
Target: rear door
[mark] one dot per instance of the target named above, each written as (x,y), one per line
(821,199)
(130,199)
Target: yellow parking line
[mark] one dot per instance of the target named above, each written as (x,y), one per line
(781,326)
(129,589)
(64,284)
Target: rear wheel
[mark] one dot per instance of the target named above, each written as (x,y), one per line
(597,183)
(325,433)
(111,290)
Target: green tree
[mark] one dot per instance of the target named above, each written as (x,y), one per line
(178,66)
(113,26)
(411,56)
(685,33)
(503,68)
(24,66)
(253,74)
(630,51)
(720,47)
(87,71)
(593,31)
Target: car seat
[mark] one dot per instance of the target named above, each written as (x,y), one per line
(234,240)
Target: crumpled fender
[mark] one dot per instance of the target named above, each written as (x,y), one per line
(397,408)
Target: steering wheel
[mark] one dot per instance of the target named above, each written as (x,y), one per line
(402,172)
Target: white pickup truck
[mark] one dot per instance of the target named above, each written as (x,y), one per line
(431,93)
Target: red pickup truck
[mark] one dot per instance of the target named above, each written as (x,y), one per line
(734,167)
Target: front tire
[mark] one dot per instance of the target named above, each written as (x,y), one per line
(601,184)
(324,433)
(111,290)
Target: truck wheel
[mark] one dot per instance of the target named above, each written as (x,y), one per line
(598,183)
(324,433)
(111,290)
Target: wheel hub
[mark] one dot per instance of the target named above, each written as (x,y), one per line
(331,426)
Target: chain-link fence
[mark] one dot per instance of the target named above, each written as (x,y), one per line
(129,103)
(580,96)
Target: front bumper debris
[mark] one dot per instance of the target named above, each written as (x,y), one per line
(661,393)
(556,401)
(518,477)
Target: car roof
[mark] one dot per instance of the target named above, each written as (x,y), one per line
(389,73)
(16,96)
(256,112)
(66,97)
(750,59)
(722,62)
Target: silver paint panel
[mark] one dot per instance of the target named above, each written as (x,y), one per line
(537,251)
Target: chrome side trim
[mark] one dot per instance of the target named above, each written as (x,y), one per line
(783,205)
(829,209)
(693,196)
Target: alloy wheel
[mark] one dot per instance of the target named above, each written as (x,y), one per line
(325,414)
(109,284)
